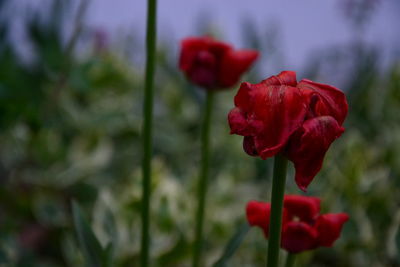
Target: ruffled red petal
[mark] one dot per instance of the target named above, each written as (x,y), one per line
(273,114)
(249,147)
(238,122)
(281,110)
(242,99)
(233,65)
(284,78)
(324,100)
(329,227)
(305,208)
(308,146)
(298,237)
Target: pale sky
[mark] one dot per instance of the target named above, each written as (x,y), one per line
(304,26)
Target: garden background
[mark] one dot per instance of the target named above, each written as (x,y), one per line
(71,91)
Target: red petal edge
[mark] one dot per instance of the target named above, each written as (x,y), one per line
(325,100)
(234,64)
(258,214)
(329,227)
(308,146)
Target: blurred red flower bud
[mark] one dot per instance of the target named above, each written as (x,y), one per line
(213,64)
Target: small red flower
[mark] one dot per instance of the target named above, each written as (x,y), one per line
(298,119)
(303,228)
(213,64)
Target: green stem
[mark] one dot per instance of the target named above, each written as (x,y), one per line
(278,191)
(203,179)
(290,260)
(147,128)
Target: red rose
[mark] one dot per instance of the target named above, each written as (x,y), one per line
(213,64)
(298,119)
(303,228)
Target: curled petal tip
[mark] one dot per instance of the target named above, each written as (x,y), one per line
(302,185)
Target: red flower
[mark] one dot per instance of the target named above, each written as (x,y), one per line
(280,115)
(213,64)
(303,228)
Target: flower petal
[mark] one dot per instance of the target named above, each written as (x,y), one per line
(233,65)
(281,110)
(200,60)
(305,208)
(202,76)
(298,237)
(258,214)
(238,122)
(329,227)
(219,49)
(189,49)
(273,114)
(284,78)
(324,100)
(307,147)
(242,99)
(249,147)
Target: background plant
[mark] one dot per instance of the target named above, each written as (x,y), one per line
(81,140)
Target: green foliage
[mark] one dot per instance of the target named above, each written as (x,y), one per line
(70,129)
(95,254)
(233,245)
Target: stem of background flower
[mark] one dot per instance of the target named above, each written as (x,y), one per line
(203,179)
(278,191)
(147,128)
(290,260)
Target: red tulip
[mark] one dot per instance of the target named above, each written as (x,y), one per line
(300,120)
(303,228)
(213,64)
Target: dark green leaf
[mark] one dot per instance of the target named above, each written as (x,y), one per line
(88,242)
(233,245)
(108,255)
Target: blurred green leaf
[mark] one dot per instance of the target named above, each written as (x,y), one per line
(233,245)
(94,254)
(108,255)
(180,250)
